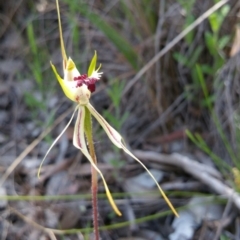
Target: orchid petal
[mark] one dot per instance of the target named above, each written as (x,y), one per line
(64,56)
(117,140)
(92,65)
(114,136)
(64,85)
(70,71)
(55,141)
(96,74)
(79,142)
(92,71)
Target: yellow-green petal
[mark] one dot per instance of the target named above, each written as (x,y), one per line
(63,84)
(92,65)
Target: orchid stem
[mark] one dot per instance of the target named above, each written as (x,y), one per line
(88,133)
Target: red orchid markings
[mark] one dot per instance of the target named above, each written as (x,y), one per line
(84,79)
(108,127)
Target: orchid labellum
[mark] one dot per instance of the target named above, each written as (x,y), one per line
(78,88)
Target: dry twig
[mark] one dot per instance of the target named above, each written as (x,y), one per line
(34,224)
(206,174)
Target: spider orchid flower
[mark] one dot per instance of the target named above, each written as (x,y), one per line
(78,88)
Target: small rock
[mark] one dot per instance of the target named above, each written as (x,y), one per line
(143,183)
(204,208)
(31,163)
(51,218)
(184,226)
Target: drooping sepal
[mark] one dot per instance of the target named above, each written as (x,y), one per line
(80,143)
(117,140)
(55,141)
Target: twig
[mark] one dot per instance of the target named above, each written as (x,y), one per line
(36,225)
(237,224)
(205,174)
(225,220)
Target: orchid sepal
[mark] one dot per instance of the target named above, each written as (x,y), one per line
(92,65)
(117,140)
(92,71)
(55,141)
(63,51)
(80,143)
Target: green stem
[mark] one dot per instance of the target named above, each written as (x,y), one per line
(88,133)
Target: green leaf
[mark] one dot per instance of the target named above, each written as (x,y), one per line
(223,41)
(115,92)
(195,56)
(187,5)
(31,38)
(200,143)
(190,36)
(217,18)
(211,43)
(180,58)
(214,23)
(207,69)
(224,11)
(205,102)
(202,82)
